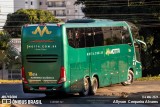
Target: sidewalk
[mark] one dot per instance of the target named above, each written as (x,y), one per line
(6,105)
(10,82)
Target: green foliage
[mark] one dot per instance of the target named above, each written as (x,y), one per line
(4,39)
(149,40)
(29,16)
(149,78)
(7,51)
(141,12)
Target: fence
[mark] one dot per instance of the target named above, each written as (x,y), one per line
(11,74)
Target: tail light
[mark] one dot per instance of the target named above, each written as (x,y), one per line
(24,76)
(58,24)
(26,25)
(62,75)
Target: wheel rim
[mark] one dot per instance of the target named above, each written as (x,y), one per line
(95,85)
(129,79)
(86,85)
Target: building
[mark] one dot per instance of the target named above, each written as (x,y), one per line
(73,11)
(7,7)
(57,8)
(62,9)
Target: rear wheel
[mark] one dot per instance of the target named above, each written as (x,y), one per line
(94,86)
(130,78)
(86,85)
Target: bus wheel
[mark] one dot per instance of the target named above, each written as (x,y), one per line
(94,86)
(86,85)
(130,78)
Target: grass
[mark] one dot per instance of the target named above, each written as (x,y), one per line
(148,78)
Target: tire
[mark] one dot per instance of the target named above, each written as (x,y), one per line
(25,90)
(130,78)
(94,86)
(86,87)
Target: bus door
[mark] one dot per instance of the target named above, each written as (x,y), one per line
(138,60)
(113,58)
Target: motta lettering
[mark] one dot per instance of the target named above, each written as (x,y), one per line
(41,46)
(41,32)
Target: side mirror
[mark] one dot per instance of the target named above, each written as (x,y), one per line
(143,44)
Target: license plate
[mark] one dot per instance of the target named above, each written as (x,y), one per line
(42,88)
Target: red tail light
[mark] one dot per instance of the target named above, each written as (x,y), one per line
(24,76)
(62,75)
(58,24)
(26,25)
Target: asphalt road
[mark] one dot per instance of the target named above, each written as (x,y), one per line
(139,90)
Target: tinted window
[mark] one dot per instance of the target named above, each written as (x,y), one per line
(126,36)
(107,33)
(82,39)
(70,34)
(89,37)
(116,35)
(97,36)
(76,37)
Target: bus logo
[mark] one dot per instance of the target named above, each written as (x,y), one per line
(108,52)
(113,51)
(41,32)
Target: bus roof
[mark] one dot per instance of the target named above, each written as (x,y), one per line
(94,23)
(86,23)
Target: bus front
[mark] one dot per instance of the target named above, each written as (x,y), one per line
(42,60)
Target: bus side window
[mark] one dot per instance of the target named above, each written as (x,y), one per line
(116,35)
(89,37)
(77,37)
(82,40)
(126,39)
(107,33)
(98,36)
(70,37)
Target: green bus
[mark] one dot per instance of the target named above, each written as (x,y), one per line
(79,56)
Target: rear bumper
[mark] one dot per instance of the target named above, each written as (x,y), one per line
(30,88)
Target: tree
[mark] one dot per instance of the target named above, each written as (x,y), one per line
(137,11)
(8,53)
(29,16)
